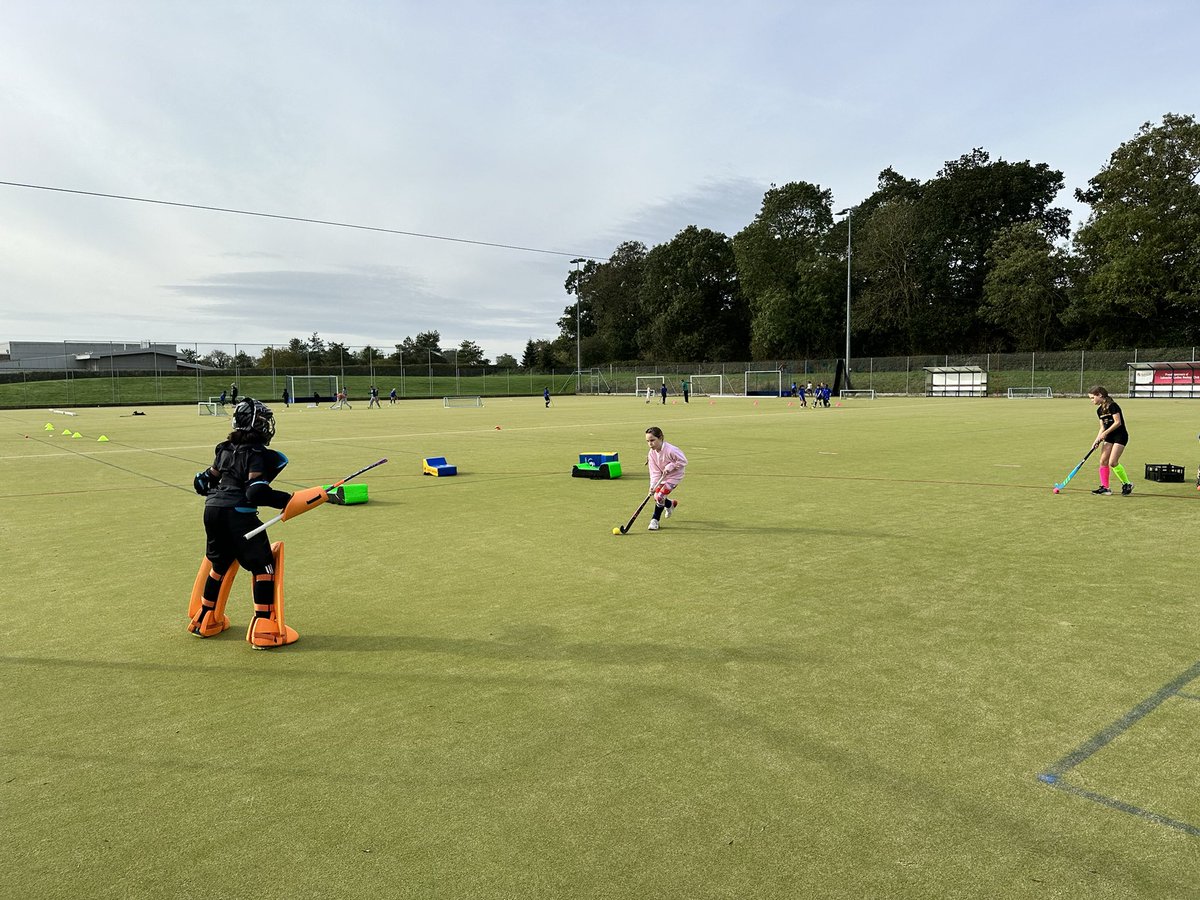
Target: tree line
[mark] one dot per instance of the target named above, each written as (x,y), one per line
(423,349)
(974,260)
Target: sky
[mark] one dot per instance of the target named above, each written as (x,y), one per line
(563,129)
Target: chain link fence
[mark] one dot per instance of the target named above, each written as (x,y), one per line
(107,374)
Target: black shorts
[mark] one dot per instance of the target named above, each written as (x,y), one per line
(1120,436)
(225,528)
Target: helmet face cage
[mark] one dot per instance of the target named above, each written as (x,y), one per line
(255,417)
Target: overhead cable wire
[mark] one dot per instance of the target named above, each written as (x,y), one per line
(265,215)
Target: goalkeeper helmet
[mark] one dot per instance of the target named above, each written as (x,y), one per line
(254,417)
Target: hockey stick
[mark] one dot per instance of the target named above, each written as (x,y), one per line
(1078,466)
(625,528)
(263,527)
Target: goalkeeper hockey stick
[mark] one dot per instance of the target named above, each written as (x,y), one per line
(279,518)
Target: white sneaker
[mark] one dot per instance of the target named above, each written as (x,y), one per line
(653,525)
(671,504)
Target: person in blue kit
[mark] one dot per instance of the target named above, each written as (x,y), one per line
(546,396)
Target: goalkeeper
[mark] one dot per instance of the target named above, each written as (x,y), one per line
(235,485)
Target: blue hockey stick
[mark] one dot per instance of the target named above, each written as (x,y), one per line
(1075,470)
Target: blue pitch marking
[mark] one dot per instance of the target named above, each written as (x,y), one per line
(1055,774)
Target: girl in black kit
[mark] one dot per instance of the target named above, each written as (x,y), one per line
(1114,436)
(235,485)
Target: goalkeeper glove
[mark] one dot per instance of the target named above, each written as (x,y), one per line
(202,483)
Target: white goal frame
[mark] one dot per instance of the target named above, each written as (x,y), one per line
(640,391)
(777,373)
(853,393)
(722,390)
(471,402)
(1030,393)
(210,407)
(326,386)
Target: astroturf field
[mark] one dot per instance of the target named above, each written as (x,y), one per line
(872,655)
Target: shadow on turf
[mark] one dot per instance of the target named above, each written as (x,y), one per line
(746,528)
(544,646)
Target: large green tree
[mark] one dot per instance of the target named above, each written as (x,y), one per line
(921,252)
(783,275)
(418,349)
(889,302)
(690,306)
(962,211)
(608,315)
(1139,250)
(1025,292)
(540,354)
(470,354)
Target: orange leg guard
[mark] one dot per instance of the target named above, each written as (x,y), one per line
(216,621)
(265,633)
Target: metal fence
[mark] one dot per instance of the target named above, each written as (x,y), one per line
(122,377)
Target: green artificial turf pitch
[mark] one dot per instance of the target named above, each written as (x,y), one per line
(871,656)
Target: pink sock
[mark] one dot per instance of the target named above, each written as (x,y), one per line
(1104,475)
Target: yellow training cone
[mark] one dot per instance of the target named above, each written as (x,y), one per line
(66,431)
(48,427)
(101,438)
(76,434)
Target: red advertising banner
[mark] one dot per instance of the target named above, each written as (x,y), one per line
(1174,376)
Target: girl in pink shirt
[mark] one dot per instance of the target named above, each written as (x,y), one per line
(667,464)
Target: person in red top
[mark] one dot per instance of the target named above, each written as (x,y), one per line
(667,466)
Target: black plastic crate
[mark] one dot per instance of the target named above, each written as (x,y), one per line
(1163,472)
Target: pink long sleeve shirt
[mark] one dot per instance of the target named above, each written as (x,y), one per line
(669,459)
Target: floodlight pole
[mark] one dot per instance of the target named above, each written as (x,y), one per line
(848,213)
(578,327)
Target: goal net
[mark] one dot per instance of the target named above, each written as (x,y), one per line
(462,402)
(768,383)
(1043,393)
(651,383)
(312,388)
(711,386)
(855,394)
(211,407)
(592,381)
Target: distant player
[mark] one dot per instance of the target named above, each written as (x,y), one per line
(546,396)
(667,464)
(392,397)
(374,395)
(649,394)
(1114,436)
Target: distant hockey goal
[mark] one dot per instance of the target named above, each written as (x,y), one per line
(462,402)
(711,386)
